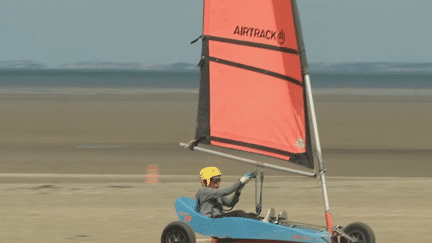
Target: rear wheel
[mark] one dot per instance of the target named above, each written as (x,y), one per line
(360,231)
(178,232)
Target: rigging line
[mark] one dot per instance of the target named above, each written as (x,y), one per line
(257,210)
(252,44)
(321,173)
(196,39)
(258,70)
(261,190)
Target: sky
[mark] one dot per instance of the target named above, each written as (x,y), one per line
(57,32)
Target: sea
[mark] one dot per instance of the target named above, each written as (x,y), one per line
(54,80)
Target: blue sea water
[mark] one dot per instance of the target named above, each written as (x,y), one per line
(98,79)
(371,80)
(146,79)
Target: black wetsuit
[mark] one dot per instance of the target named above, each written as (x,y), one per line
(210,202)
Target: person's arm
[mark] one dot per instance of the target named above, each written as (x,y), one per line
(231,200)
(210,193)
(206,194)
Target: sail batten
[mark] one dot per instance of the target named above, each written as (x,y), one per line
(255,69)
(250,145)
(252,93)
(247,43)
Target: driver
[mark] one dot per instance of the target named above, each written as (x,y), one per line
(210,199)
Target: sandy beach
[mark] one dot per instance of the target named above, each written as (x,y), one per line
(73,165)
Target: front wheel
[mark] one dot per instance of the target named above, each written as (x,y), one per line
(359,231)
(178,232)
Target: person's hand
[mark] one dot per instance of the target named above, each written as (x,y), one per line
(253,174)
(247,177)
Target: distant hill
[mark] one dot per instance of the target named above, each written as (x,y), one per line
(22,65)
(371,67)
(174,66)
(313,67)
(101,65)
(26,64)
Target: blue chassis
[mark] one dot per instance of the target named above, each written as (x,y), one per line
(243,228)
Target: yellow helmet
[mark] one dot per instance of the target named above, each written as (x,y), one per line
(207,173)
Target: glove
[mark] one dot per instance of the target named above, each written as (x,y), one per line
(247,177)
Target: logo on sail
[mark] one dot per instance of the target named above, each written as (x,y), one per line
(281,37)
(300,143)
(260,33)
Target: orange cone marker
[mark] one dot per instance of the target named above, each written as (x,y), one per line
(152,174)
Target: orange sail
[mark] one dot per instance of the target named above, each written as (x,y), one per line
(252,93)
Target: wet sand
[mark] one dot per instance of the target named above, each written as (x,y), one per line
(73,166)
(102,210)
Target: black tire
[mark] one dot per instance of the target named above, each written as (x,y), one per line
(361,231)
(178,232)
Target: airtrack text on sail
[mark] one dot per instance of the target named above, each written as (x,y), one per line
(255,32)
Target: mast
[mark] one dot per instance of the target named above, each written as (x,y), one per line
(311,108)
(328,215)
